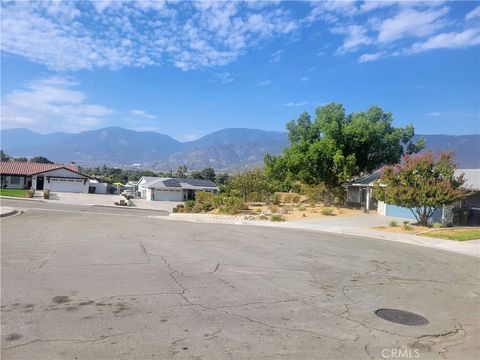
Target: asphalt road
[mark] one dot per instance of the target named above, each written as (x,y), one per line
(102,283)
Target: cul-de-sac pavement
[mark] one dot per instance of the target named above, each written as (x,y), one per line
(104,283)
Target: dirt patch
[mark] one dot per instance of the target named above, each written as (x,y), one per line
(414,229)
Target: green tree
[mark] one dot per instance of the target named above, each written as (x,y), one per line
(208,174)
(421,183)
(205,174)
(40,160)
(335,147)
(181,172)
(248,181)
(21,159)
(3,156)
(221,179)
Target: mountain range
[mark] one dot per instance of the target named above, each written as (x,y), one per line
(224,150)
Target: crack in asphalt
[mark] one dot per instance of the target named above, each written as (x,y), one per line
(102,337)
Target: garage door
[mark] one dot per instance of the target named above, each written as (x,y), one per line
(168,195)
(66,185)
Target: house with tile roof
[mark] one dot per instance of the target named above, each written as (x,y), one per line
(172,189)
(53,177)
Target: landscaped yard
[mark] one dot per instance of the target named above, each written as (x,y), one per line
(455,234)
(13,192)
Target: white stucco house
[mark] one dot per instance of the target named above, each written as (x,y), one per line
(53,177)
(172,189)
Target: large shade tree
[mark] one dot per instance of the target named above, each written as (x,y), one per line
(421,183)
(336,147)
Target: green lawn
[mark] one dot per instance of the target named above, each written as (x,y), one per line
(14,192)
(452,234)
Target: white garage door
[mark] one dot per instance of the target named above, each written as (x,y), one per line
(168,195)
(66,185)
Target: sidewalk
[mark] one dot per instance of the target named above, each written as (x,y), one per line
(347,225)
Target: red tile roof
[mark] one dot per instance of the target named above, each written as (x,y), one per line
(27,169)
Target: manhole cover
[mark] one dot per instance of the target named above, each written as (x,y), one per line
(401,317)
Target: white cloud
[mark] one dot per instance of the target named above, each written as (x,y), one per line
(355,36)
(473,14)
(264,83)
(51,104)
(411,22)
(300,103)
(142,113)
(188,137)
(436,113)
(396,28)
(224,77)
(463,39)
(371,57)
(138,33)
(276,56)
(305,78)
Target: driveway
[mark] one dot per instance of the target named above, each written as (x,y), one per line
(109,200)
(126,285)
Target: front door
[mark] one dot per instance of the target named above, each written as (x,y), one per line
(40,183)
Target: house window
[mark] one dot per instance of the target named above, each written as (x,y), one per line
(15,180)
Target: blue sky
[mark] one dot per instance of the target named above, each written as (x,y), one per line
(187,69)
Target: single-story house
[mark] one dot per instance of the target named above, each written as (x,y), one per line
(172,189)
(360,194)
(53,177)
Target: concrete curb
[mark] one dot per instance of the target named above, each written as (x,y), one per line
(125,207)
(20,198)
(8,212)
(471,248)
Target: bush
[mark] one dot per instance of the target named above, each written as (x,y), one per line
(255,197)
(407,226)
(188,206)
(296,198)
(258,210)
(393,223)
(31,192)
(301,208)
(288,198)
(285,210)
(437,225)
(327,211)
(46,194)
(274,208)
(204,201)
(231,205)
(277,218)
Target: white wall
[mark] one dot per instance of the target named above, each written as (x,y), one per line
(100,188)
